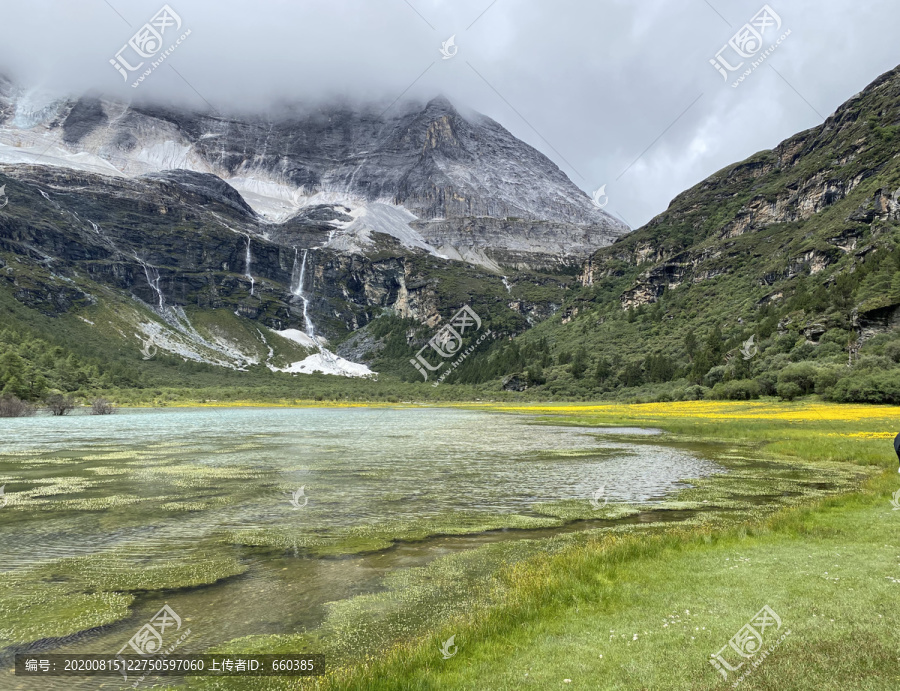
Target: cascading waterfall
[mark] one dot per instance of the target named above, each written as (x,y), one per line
(298,290)
(152,275)
(295,281)
(247,261)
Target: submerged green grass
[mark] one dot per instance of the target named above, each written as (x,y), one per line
(32,610)
(807,529)
(382,535)
(538,606)
(67,596)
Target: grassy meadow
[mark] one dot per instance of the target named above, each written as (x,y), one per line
(625,609)
(624,596)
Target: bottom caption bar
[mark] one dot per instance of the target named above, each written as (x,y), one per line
(170,665)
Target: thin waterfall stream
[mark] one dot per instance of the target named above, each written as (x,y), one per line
(299,291)
(152,274)
(248,259)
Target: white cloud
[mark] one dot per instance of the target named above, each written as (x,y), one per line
(591,84)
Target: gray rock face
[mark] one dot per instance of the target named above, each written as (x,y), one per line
(183,239)
(517,242)
(428,158)
(201,188)
(86,116)
(469,182)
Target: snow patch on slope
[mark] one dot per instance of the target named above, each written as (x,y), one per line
(34,107)
(470,255)
(377,217)
(272,200)
(394,220)
(298,337)
(40,154)
(324,361)
(327,362)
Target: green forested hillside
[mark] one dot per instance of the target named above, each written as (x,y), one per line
(777,276)
(797,248)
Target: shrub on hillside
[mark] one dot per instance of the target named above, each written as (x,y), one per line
(692,393)
(785,343)
(892,350)
(715,375)
(827,377)
(872,363)
(803,374)
(803,351)
(767,383)
(830,350)
(869,388)
(840,337)
(737,390)
(535,375)
(788,391)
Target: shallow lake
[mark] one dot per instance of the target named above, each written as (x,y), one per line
(316,505)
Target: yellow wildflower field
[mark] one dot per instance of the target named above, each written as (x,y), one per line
(717,410)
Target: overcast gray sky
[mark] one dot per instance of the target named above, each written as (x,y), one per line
(616,92)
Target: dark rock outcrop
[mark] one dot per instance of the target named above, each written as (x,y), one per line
(468,181)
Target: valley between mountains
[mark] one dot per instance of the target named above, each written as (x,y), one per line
(146,248)
(377,386)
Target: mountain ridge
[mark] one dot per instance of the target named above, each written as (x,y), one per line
(427,158)
(796,248)
(182,259)
(794,251)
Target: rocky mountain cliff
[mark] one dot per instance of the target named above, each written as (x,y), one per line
(826,195)
(777,275)
(780,273)
(242,242)
(461,187)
